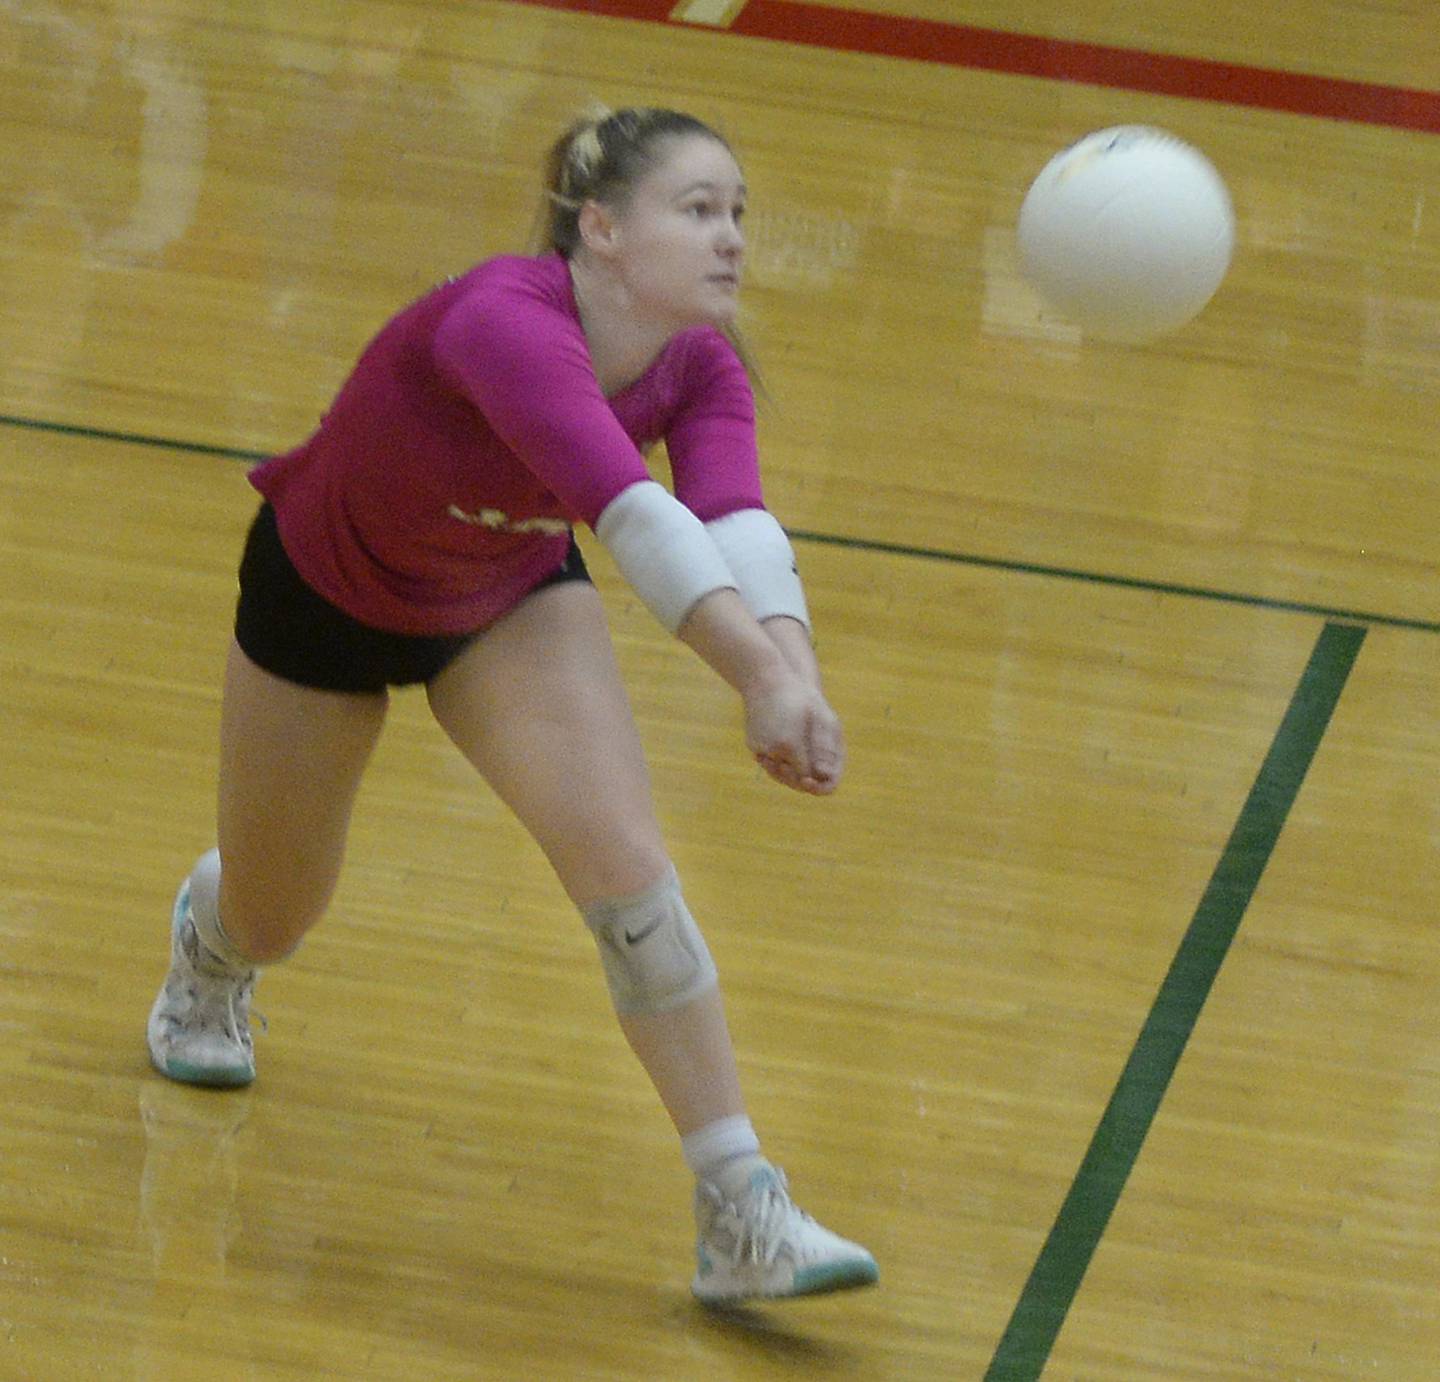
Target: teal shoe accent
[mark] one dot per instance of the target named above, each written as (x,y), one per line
(214,1077)
(182,905)
(835,1276)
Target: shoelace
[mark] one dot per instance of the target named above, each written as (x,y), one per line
(216,993)
(219,1008)
(761,1225)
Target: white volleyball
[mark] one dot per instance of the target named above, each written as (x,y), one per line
(1128,233)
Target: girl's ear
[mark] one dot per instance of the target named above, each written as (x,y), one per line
(597,228)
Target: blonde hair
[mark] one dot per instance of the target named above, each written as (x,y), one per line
(601,158)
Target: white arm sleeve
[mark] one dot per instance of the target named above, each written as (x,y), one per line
(662,550)
(757,550)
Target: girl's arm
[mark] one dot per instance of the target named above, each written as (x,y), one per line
(790,729)
(792,639)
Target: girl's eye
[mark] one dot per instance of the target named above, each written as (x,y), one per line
(706,210)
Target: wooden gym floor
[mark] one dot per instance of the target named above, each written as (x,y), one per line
(1103,1003)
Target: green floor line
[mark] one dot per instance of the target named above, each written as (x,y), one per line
(1071,573)
(1044,1303)
(859,544)
(69,429)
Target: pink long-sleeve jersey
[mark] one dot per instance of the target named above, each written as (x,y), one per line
(440,487)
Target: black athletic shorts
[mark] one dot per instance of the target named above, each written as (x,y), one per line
(288,629)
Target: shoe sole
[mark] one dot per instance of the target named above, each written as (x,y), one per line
(212,1077)
(810,1281)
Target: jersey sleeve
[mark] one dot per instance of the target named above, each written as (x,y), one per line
(714,459)
(524,364)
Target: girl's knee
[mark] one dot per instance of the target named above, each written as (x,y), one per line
(620,867)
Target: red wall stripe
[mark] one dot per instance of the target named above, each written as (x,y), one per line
(1129,69)
(1125,69)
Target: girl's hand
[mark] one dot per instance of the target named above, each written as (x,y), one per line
(794,735)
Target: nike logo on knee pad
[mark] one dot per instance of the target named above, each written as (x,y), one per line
(674,968)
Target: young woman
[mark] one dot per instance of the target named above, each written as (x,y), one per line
(423,535)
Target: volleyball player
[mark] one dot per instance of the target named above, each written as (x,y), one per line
(423,535)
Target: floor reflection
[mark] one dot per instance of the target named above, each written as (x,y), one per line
(195,1146)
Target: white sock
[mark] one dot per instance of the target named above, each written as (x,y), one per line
(723,1145)
(205,908)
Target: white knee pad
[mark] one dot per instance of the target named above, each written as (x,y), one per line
(654,956)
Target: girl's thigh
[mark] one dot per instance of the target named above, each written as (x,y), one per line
(537,705)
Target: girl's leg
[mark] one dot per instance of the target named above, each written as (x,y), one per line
(291,759)
(538,707)
(290,764)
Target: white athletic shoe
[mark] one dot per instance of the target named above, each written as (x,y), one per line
(199,1031)
(760,1246)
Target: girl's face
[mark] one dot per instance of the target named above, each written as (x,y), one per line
(676,243)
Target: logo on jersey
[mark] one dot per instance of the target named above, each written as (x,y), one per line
(498,521)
